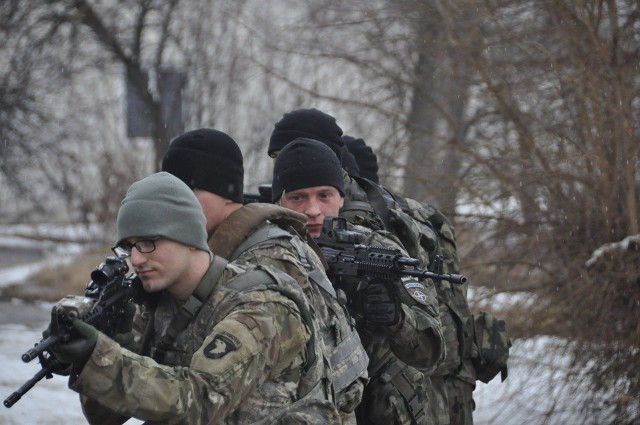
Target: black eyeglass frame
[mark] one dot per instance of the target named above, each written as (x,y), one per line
(124,249)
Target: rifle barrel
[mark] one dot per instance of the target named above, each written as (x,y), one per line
(41,347)
(17,394)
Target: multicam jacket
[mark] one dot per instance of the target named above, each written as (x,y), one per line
(247,236)
(401,362)
(250,355)
(414,223)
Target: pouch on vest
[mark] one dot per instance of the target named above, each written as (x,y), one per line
(493,344)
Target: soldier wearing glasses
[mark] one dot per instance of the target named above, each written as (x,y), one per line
(224,342)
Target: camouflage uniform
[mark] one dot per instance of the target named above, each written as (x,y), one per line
(400,363)
(246,235)
(250,355)
(452,384)
(454,380)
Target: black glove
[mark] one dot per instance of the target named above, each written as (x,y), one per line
(381,304)
(58,367)
(125,336)
(78,350)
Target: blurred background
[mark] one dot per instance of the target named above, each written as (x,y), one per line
(519,119)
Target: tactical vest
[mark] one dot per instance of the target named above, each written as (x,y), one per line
(427,235)
(316,401)
(192,322)
(258,224)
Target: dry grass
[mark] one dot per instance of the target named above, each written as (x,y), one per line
(54,282)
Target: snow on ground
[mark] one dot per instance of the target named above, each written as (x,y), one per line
(535,391)
(49,401)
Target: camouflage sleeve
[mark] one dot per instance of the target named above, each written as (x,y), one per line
(217,380)
(419,342)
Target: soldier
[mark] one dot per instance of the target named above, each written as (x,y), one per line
(425,233)
(223,342)
(364,156)
(399,337)
(454,380)
(210,163)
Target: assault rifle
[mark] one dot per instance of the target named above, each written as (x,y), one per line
(104,303)
(263,195)
(348,258)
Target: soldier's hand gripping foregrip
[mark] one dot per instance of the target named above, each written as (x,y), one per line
(106,301)
(380,304)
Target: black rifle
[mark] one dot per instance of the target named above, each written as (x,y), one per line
(348,258)
(264,195)
(104,303)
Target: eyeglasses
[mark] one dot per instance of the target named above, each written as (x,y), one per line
(144,246)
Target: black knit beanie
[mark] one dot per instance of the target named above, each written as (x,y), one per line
(316,125)
(366,159)
(306,163)
(306,123)
(209,160)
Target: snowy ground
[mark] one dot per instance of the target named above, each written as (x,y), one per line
(534,387)
(522,398)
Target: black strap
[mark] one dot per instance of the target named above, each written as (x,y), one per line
(375,198)
(395,373)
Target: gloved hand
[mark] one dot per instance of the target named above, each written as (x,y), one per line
(381,304)
(79,349)
(125,336)
(61,369)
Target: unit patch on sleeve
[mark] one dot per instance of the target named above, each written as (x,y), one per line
(221,344)
(416,290)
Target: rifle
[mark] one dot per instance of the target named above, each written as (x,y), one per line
(348,258)
(263,195)
(105,300)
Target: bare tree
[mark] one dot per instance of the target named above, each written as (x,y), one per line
(519,117)
(553,165)
(528,113)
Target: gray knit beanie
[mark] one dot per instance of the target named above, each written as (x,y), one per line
(162,205)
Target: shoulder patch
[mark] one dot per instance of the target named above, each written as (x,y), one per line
(416,290)
(222,344)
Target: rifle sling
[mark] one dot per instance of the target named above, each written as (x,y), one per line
(375,198)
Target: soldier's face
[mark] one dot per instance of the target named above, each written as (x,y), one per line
(166,267)
(316,203)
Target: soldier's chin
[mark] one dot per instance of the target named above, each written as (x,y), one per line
(314,230)
(148,285)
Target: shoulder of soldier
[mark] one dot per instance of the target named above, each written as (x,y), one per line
(277,246)
(353,190)
(243,282)
(423,211)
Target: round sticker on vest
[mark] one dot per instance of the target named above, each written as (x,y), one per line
(417,291)
(221,345)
